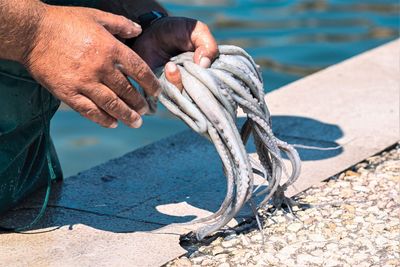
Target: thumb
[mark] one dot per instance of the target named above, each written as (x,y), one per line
(206,48)
(118,25)
(173,75)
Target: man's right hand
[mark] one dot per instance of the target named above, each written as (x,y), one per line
(76,57)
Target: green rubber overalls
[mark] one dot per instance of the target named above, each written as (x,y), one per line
(28,159)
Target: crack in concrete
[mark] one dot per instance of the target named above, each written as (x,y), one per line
(96,213)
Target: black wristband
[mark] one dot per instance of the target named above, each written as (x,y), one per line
(147,19)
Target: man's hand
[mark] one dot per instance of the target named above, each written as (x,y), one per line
(76,57)
(169,36)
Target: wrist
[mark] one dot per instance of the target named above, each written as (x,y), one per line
(39,26)
(146,20)
(131,9)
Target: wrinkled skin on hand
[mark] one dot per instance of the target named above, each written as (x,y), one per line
(170,36)
(76,57)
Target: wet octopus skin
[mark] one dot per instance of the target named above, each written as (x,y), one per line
(208,105)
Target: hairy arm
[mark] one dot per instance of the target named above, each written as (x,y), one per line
(19,23)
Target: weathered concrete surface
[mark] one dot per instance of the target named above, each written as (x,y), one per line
(114,213)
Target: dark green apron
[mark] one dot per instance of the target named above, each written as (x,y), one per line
(28,159)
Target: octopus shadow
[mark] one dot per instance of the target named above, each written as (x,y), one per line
(163,183)
(305,132)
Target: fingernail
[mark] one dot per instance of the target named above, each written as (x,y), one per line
(205,62)
(136,25)
(137,123)
(171,67)
(113,125)
(157,93)
(143,110)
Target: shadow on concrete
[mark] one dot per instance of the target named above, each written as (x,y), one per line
(308,132)
(127,194)
(305,132)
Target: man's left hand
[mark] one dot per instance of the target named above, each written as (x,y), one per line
(170,36)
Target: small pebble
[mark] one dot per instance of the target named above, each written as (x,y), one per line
(294,227)
(183,262)
(230,243)
(217,250)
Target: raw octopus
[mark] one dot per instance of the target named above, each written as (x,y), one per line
(208,104)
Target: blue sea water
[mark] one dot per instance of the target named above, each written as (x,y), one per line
(289,39)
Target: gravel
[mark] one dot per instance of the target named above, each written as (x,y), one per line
(353,220)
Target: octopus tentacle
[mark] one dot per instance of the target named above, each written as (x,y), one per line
(228,171)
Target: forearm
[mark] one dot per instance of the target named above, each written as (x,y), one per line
(131,9)
(19,23)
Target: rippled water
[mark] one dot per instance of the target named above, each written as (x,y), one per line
(289,39)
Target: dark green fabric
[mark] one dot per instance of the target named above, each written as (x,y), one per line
(25,109)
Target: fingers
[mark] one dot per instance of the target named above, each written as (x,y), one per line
(109,102)
(133,66)
(126,91)
(173,75)
(117,25)
(89,110)
(206,48)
